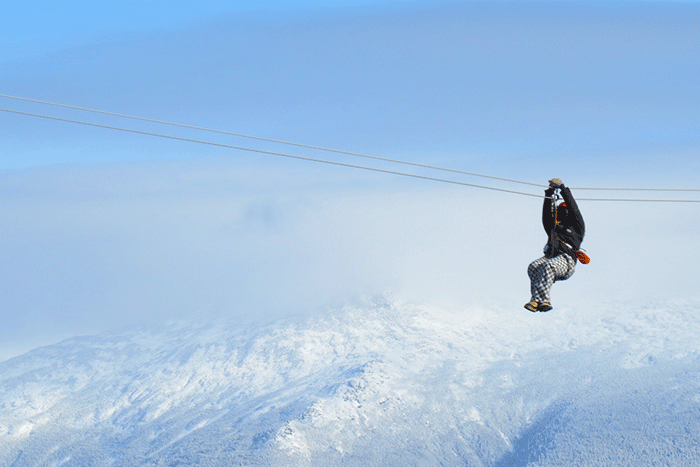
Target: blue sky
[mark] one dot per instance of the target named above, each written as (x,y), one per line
(104,228)
(507,87)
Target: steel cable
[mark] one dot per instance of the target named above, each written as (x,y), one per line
(270,140)
(319,148)
(324,161)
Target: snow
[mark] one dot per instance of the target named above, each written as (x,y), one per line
(383,382)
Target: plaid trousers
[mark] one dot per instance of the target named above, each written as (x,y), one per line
(545,271)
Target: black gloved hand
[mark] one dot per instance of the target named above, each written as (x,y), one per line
(556,183)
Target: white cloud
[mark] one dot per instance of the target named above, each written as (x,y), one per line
(87,248)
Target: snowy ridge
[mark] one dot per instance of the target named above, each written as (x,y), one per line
(383,383)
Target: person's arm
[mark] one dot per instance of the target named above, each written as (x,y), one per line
(547,215)
(576,216)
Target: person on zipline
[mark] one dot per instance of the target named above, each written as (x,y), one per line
(565,227)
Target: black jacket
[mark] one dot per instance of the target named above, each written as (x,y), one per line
(567,234)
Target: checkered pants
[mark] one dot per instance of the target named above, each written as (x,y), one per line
(545,271)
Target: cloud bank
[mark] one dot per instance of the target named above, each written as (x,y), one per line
(88,248)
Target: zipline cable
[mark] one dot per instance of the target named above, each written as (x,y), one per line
(261,151)
(324,161)
(319,148)
(270,140)
(639,189)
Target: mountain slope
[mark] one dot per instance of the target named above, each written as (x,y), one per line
(383,383)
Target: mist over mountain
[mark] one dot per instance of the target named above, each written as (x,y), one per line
(382,382)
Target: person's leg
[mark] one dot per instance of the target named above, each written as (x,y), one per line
(534,271)
(542,273)
(564,267)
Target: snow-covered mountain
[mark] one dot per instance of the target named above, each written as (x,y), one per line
(383,383)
